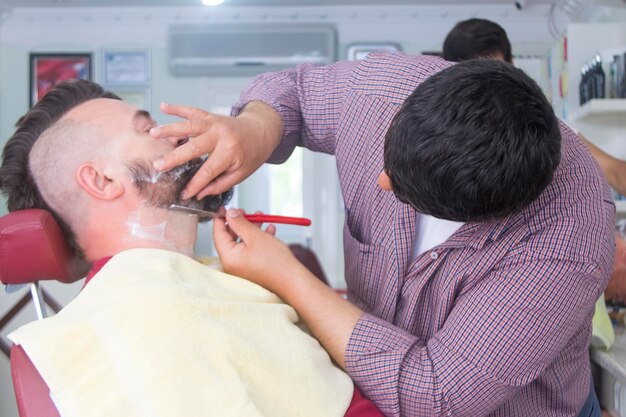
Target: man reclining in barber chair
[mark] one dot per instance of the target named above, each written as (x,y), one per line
(153,332)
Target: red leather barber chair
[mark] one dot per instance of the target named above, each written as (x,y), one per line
(32,249)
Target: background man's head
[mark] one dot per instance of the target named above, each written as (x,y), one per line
(477,141)
(81,149)
(477,38)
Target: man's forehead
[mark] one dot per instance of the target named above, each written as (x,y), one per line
(102,109)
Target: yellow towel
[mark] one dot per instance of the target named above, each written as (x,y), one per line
(156,333)
(602,334)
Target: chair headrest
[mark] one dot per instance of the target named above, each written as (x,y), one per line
(33,248)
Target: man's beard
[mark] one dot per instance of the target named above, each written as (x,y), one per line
(162,189)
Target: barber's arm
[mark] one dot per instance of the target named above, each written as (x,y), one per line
(504,329)
(278,111)
(261,258)
(614,169)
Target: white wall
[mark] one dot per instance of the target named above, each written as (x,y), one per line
(607,131)
(95,30)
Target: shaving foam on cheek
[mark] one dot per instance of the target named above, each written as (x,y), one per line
(149,176)
(173,175)
(150,180)
(180,170)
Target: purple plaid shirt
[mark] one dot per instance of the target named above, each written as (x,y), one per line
(494,321)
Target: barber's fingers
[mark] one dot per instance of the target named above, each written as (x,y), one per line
(247,232)
(271,229)
(222,211)
(223,238)
(220,172)
(253,254)
(185,112)
(234,238)
(183,128)
(176,141)
(184,153)
(195,123)
(225,181)
(213,169)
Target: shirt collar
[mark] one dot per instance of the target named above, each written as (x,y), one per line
(95,268)
(477,234)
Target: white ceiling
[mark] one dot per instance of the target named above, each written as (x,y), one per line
(249,3)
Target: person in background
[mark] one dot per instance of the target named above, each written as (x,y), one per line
(477,38)
(153,332)
(473,256)
(482,38)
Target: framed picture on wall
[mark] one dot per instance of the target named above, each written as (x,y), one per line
(48,69)
(136,96)
(360,50)
(126,68)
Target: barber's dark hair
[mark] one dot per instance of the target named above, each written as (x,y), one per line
(16,180)
(476,141)
(476,38)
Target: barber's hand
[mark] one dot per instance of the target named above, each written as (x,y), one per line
(254,254)
(236,146)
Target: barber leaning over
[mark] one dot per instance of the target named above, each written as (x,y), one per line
(471,286)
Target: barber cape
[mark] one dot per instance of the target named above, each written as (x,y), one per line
(156,333)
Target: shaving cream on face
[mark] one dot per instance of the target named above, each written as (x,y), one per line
(153,222)
(154,177)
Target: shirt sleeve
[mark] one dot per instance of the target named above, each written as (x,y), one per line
(504,330)
(572,128)
(309,100)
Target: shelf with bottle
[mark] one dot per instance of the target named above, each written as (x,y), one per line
(600,108)
(575,55)
(602,96)
(592,84)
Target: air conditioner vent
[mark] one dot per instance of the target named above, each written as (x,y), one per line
(247,49)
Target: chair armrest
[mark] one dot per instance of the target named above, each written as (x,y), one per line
(31,392)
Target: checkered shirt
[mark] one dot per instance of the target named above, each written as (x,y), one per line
(494,321)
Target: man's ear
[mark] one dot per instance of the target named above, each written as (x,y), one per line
(384,182)
(93,180)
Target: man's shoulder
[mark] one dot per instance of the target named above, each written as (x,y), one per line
(574,216)
(399,62)
(394,75)
(578,176)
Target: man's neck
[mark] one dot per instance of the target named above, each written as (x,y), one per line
(145,228)
(161,228)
